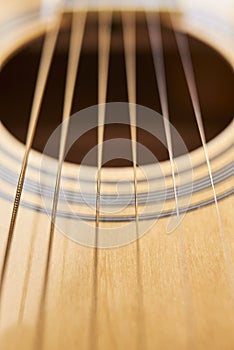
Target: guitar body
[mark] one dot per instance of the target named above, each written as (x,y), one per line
(170,288)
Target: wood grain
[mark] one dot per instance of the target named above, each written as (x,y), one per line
(164,291)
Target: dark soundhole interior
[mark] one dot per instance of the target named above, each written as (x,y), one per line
(213,75)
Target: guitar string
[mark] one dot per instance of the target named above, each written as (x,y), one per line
(104,43)
(129,38)
(33,122)
(30,258)
(44,67)
(76,39)
(156,41)
(129,35)
(186,59)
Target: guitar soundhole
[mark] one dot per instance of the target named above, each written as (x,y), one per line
(213,75)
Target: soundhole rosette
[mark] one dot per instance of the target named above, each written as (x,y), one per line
(122,193)
(124,199)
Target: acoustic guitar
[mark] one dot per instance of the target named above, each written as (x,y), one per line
(116,175)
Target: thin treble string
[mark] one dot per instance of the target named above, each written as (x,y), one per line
(76,39)
(129,36)
(155,34)
(104,42)
(183,47)
(44,67)
(186,59)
